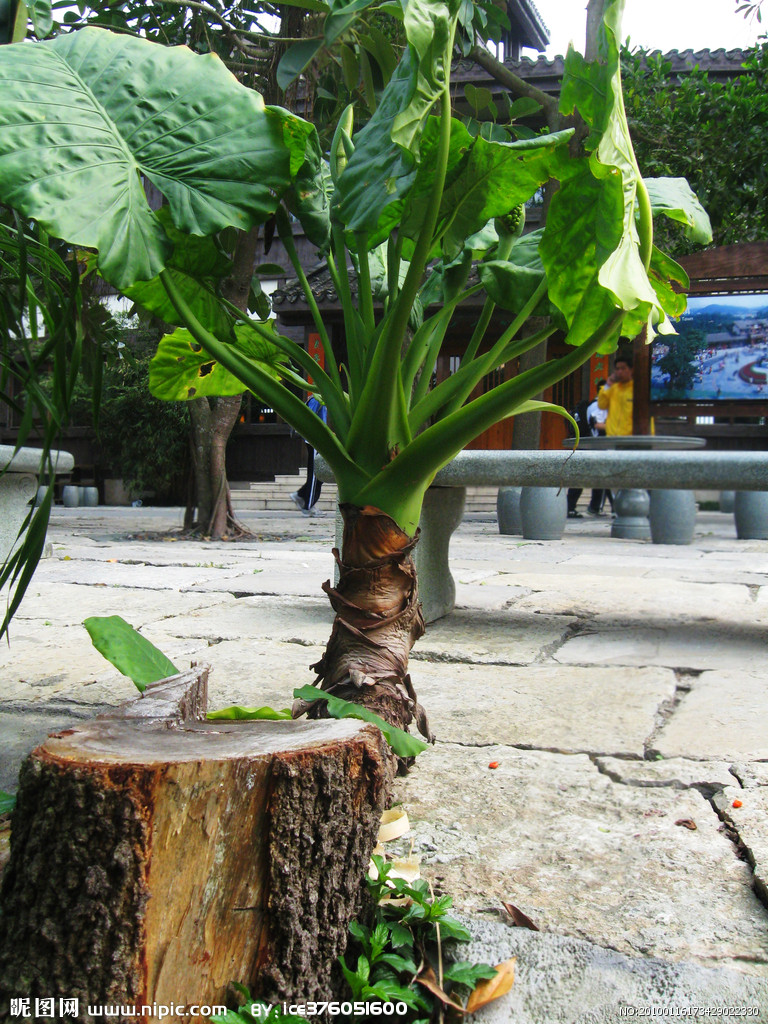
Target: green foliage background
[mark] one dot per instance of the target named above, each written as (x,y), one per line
(141,438)
(712,133)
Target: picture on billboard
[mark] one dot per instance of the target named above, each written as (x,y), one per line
(720,351)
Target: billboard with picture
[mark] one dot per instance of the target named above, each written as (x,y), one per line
(720,351)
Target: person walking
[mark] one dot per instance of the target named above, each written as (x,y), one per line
(307,495)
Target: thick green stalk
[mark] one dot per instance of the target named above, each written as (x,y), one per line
(379,425)
(333,398)
(503,250)
(466,379)
(394,251)
(283,401)
(645,223)
(355,342)
(491,359)
(396,487)
(419,354)
(364,292)
(286,237)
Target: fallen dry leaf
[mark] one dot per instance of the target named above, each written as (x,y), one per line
(688,823)
(493,988)
(428,979)
(520,919)
(394,823)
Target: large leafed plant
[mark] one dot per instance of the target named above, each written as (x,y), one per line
(423,213)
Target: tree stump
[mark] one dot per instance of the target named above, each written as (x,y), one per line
(157,856)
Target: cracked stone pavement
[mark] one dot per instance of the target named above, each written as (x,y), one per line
(620,688)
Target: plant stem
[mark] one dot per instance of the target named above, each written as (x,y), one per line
(283,401)
(286,237)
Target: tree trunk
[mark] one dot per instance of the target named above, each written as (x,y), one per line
(214,419)
(378,620)
(157,856)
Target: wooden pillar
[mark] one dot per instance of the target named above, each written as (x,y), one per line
(642,385)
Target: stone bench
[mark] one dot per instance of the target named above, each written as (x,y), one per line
(670,476)
(18,486)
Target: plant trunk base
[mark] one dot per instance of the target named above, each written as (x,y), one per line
(378,620)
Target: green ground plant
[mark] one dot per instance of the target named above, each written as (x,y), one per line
(422,212)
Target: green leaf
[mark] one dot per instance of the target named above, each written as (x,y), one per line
(495,178)
(398,963)
(197,267)
(379,171)
(380,48)
(182,370)
(308,195)
(295,60)
(450,928)
(478,99)
(429,27)
(523,107)
(86,113)
(130,652)
(13,21)
(7,802)
(400,935)
(236,713)
(675,198)
(469,974)
(593,250)
(42,19)
(350,67)
(664,274)
(403,744)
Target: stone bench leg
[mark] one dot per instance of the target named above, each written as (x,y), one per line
(508,510)
(16,492)
(673,517)
(631,508)
(750,510)
(441,514)
(543,512)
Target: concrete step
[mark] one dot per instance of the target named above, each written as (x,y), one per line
(275,496)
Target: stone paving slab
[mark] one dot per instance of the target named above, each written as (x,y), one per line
(70,604)
(746,810)
(303,619)
(654,661)
(751,774)
(675,772)
(543,706)
(24,728)
(652,598)
(561,980)
(723,715)
(691,645)
(583,855)
(498,637)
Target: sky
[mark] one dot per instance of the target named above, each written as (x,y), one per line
(656,24)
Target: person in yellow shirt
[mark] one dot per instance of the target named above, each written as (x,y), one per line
(617,397)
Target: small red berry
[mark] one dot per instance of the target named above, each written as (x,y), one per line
(737,803)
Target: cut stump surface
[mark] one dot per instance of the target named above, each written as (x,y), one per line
(157,856)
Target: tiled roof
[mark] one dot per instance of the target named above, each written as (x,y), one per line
(319,278)
(531,30)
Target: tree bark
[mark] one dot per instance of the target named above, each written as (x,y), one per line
(156,856)
(214,419)
(378,620)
